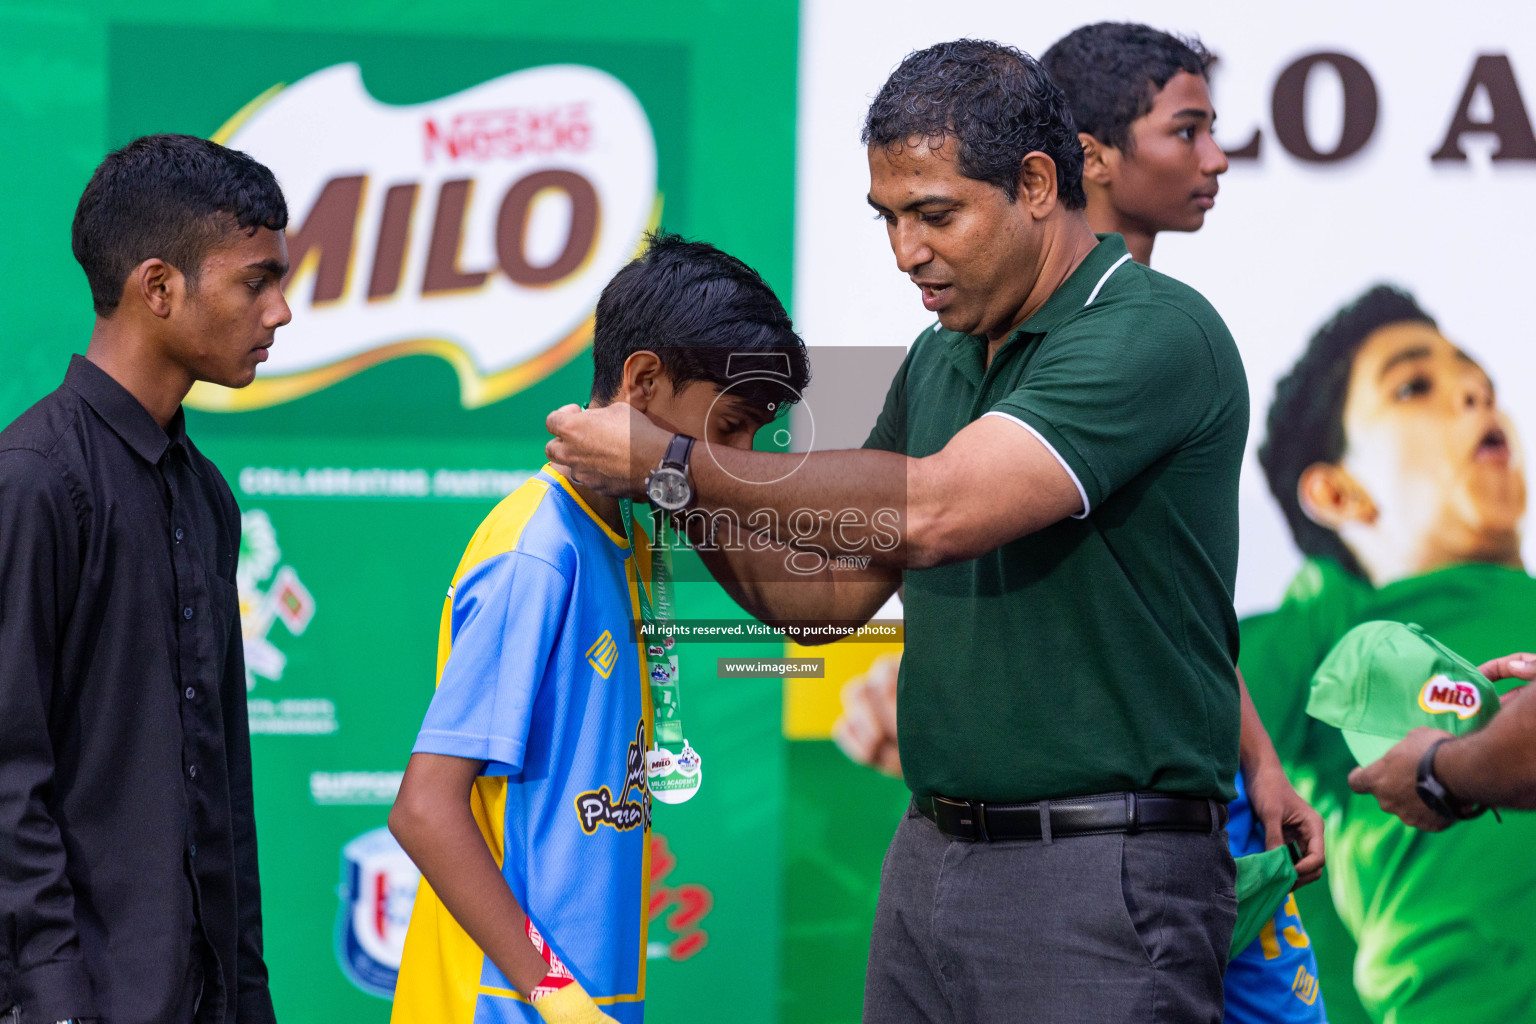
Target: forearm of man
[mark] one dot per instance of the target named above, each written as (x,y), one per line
(1496,765)
(993,482)
(785,585)
(434,824)
(851,502)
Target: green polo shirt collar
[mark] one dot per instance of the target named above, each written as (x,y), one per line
(1080,288)
(968,352)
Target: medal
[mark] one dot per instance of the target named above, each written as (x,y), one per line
(673,768)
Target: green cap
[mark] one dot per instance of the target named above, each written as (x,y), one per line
(1384,679)
(1264,881)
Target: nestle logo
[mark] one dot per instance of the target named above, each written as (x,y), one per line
(509,133)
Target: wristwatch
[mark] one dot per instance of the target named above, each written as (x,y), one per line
(668,486)
(1434,794)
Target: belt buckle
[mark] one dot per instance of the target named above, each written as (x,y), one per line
(969,812)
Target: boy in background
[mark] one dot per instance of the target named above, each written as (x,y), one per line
(525,802)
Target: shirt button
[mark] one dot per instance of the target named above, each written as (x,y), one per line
(186,612)
(193,850)
(191,771)
(191,693)
(180,533)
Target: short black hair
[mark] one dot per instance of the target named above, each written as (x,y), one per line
(1112,71)
(172,197)
(995,101)
(708,316)
(1306,419)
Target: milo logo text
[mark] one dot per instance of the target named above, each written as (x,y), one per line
(478,228)
(324,246)
(1442,695)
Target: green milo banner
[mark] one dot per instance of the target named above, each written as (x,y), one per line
(462,180)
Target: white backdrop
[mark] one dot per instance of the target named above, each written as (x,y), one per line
(1288,241)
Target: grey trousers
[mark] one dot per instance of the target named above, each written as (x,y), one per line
(1080,930)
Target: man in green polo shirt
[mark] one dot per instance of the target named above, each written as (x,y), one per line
(1141,101)
(1059,457)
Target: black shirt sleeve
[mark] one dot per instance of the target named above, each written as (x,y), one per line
(40,546)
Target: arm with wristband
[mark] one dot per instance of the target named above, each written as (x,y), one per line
(434,824)
(1494,767)
(503,612)
(1497,767)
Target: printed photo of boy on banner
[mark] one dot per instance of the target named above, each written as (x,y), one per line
(1403,483)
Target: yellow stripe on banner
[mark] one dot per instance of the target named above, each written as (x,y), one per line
(812,705)
(228,128)
(474,390)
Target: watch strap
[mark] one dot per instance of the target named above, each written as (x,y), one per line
(1434,793)
(678,451)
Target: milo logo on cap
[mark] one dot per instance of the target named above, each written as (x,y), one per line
(1441,695)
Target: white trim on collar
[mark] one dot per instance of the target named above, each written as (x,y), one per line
(1114,267)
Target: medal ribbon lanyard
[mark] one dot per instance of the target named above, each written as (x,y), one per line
(660,667)
(672,775)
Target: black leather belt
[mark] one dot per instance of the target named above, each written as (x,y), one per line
(1097,815)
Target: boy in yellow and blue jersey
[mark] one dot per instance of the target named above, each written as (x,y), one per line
(525,802)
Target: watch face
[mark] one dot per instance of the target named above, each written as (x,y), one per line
(668,488)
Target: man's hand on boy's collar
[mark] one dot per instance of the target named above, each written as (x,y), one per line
(611,449)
